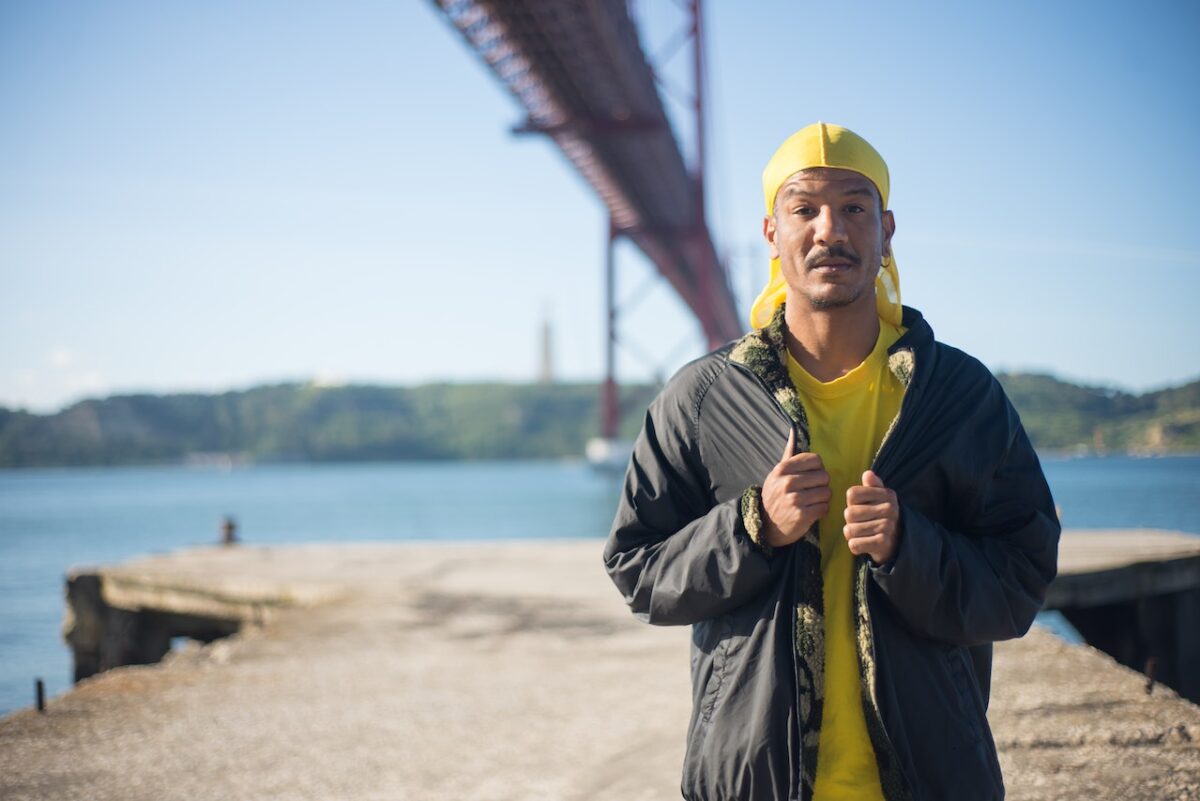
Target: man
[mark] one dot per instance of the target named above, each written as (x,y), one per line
(846,511)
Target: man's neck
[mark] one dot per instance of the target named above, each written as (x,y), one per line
(829,343)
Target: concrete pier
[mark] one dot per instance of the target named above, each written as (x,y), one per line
(484,670)
(1136,596)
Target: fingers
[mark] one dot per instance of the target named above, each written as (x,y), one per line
(865,512)
(794,460)
(869,479)
(805,481)
(880,547)
(800,463)
(856,496)
(868,545)
(867,530)
(788,520)
(816,496)
(872,519)
(790,448)
(809,512)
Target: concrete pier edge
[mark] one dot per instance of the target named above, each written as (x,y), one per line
(487,669)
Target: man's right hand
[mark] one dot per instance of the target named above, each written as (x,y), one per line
(795,494)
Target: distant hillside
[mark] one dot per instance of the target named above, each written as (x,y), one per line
(1067,417)
(295,422)
(299,422)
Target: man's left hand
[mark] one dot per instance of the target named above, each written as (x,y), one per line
(872,519)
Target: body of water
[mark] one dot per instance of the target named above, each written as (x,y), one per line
(51,520)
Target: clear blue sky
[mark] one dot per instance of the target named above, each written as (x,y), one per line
(211,195)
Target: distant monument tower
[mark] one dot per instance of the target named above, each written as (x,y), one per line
(546,372)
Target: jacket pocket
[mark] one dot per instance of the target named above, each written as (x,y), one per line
(970,704)
(927,693)
(972,699)
(716,648)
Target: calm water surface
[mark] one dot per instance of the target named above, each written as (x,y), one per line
(51,520)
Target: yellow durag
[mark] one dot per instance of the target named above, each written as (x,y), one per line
(822,145)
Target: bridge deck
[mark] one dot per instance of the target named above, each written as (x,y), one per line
(579,72)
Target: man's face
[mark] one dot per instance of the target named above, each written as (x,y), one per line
(830,235)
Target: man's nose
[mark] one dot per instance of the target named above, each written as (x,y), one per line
(829,228)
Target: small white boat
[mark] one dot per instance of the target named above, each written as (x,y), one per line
(609,456)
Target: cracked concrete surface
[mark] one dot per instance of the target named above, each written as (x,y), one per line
(501,671)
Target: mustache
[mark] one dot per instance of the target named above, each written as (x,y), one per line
(833,252)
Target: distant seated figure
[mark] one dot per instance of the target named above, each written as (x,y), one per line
(228,531)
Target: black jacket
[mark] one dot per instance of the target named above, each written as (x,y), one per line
(978,547)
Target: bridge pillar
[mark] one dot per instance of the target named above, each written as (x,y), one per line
(610,413)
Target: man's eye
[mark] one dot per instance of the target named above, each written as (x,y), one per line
(853,209)
(804,211)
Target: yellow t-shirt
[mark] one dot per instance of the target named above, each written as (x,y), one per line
(847,420)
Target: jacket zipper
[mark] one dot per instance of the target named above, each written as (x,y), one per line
(799,777)
(888,438)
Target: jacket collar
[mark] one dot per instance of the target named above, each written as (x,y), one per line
(763,352)
(917,336)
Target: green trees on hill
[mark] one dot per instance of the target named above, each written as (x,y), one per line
(1065,417)
(305,422)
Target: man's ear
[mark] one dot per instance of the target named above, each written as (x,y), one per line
(889,228)
(769,235)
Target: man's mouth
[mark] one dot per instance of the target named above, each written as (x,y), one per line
(831,266)
(832,261)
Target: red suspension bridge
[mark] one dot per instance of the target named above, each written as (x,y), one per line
(579,72)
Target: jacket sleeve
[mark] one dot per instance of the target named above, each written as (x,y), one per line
(677,557)
(988,581)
